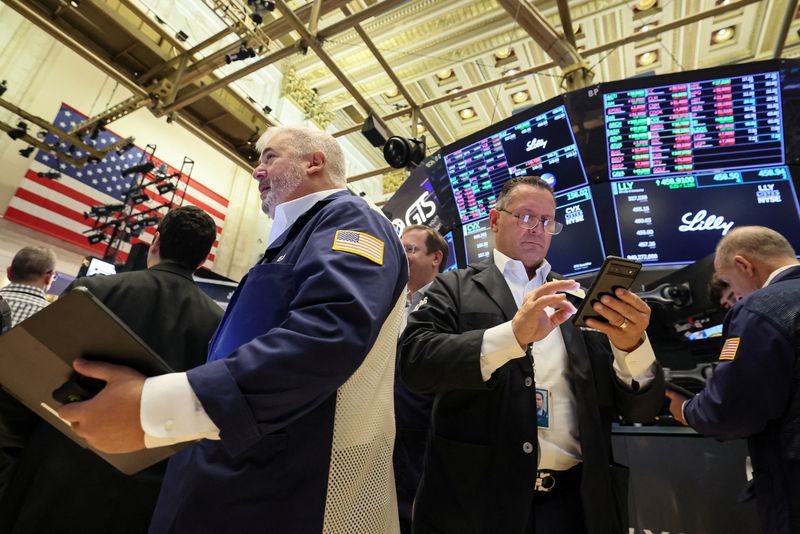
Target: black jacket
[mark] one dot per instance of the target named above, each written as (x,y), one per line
(60,487)
(480,467)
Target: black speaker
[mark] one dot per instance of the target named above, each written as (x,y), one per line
(374,132)
(137,258)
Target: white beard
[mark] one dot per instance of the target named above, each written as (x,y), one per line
(280,188)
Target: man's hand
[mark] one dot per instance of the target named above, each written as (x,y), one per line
(532,322)
(110,420)
(676,401)
(627,316)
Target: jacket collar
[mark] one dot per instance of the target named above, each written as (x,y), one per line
(174,268)
(303,219)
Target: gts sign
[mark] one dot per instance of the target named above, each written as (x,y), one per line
(421,211)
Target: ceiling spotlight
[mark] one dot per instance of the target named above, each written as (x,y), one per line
(402,152)
(181,35)
(26,152)
(52,175)
(520,96)
(103,210)
(725,34)
(96,238)
(444,74)
(143,168)
(244,52)
(139,198)
(504,53)
(391,93)
(467,113)
(20,131)
(75,3)
(647,58)
(127,146)
(165,188)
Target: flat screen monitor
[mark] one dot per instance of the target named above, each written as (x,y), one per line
(96,266)
(726,122)
(60,282)
(693,154)
(537,142)
(677,219)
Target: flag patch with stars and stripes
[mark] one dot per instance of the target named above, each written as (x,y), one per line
(359,243)
(729,349)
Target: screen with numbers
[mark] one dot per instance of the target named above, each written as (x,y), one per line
(537,143)
(690,159)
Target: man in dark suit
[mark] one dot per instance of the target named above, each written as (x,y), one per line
(475,342)
(60,487)
(754,392)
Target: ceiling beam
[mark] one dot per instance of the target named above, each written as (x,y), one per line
(714,12)
(399,84)
(315,45)
(575,70)
(788,16)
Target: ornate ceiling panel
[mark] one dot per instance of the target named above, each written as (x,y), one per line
(459,60)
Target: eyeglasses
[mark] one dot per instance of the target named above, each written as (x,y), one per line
(410,248)
(529,222)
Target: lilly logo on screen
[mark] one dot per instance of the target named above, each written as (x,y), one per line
(535,143)
(702,220)
(421,211)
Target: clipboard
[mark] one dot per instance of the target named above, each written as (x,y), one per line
(36,358)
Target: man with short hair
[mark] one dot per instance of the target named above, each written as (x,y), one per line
(30,274)
(759,360)
(61,487)
(427,253)
(293,409)
(474,343)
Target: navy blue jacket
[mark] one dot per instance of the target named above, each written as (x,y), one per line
(295,331)
(755,395)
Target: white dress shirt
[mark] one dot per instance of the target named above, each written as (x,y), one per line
(170,411)
(560,444)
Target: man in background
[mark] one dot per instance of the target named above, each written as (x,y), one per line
(61,487)
(30,274)
(427,253)
(758,360)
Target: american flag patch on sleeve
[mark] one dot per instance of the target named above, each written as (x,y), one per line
(729,349)
(359,243)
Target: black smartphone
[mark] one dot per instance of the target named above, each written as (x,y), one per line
(614,273)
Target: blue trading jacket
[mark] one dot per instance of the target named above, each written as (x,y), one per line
(755,394)
(296,330)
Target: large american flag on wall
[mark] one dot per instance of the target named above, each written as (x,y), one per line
(56,207)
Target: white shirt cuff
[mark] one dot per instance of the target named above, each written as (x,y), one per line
(635,365)
(498,347)
(171,412)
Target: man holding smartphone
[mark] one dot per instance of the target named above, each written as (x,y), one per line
(476,343)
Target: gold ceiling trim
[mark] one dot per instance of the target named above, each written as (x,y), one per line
(295,88)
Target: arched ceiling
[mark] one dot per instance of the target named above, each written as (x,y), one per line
(455,65)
